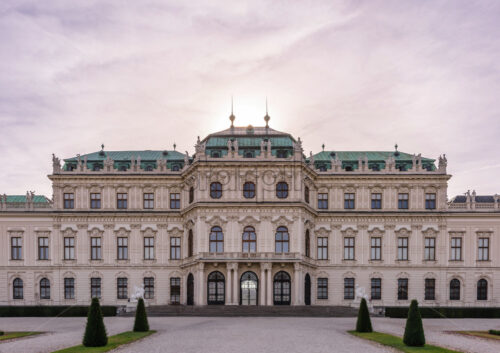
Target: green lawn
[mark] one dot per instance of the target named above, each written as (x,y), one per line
(12,335)
(113,342)
(483,334)
(397,342)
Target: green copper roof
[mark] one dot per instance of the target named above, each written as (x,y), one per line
(22,199)
(249,142)
(146,155)
(376,159)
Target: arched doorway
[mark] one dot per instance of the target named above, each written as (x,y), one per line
(216,287)
(190,289)
(249,288)
(307,290)
(282,288)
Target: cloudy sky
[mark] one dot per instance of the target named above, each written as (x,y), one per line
(355,75)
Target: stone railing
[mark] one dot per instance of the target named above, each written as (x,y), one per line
(244,256)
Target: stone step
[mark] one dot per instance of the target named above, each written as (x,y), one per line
(240,310)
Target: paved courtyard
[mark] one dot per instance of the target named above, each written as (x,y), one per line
(245,334)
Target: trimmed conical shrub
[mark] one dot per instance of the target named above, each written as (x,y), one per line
(141,318)
(364,323)
(95,331)
(414,330)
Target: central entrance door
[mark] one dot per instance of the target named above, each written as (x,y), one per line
(190,289)
(307,290)
(216,286)
(282,288)
(249,288)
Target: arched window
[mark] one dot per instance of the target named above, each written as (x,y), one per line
(249,240)
(123,168)
(306,194)
(248,154)
(44,288)
(282,190)
(308,244)
(18,289)
(216,240)
(282,288)
(281,240)
(482,289)
(216,288)
(190,243)
(96,167)
(175,168)
(149,168)
(454,289)
(191,194)
(249,190)
(216,190)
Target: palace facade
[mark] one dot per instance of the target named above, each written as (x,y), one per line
(248,219)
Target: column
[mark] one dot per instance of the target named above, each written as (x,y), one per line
(200,285)
(262,285)
(229,285)
(296,284)
(236,285)
(269,285)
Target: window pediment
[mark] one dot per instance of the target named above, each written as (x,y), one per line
(95,232)
(349,232)
(122,232)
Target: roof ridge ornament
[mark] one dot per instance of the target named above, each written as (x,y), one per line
(232,117)
(267,117)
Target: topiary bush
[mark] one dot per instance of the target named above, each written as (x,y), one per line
(1,333)
(494,332)
(364,323)
(141,318)
(414,330)
(95,331)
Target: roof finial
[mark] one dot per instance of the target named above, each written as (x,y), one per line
(267,117)
(396,147)
(323,146)
(102,147)
(396,152)
(101,152)
(232,117)
(175,146)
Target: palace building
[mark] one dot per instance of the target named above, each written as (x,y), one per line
(249,219)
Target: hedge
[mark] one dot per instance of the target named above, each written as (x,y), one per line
(401,312)
(494,332)
(42,310)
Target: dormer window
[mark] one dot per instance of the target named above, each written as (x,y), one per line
(375,167)
(281,154)
(401,167)
(175,168)
(428,167)
(70,167)
(215,154)
(149,168)
(348,168)
(322,168)
(123,168)
(96,167)
(248,154)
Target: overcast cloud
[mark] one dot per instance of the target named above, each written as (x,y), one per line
(355,75)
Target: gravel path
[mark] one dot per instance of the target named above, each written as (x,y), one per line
(245,334)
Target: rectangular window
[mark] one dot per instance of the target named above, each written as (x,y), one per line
(43,248)
(175,290)
(403,249)
(376,201)
(16,248)
(376,248)
(149,201)
(430,289)
(323,248)
(175,248)
(69,201)
(122,290)
(430,201)
(175,201)
(483,247)
(323,201)
(403,289)
(322,288)
(348,288)
(149,248)
(122,247)
(69,288)
(376,288)
(349,248)
(95,249)
(349,201)
(69,248)
(149,287)
(403,201)
(456,249)
(95,287)
(430,249)
(95,201)
(121,201)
